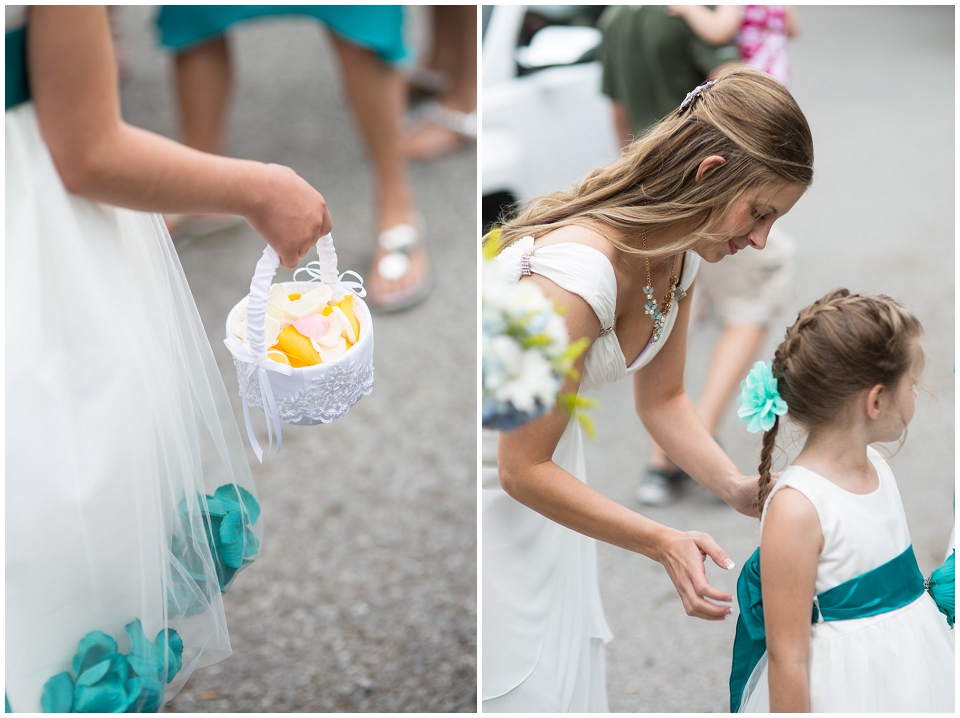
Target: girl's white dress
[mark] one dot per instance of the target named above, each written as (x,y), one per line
(544,629)
(129,501)
(900,661)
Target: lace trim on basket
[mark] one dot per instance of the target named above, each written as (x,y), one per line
(325,400)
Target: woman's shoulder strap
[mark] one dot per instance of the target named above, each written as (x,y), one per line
(577,268)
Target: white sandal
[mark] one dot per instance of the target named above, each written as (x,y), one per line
(433,113)
(399,241)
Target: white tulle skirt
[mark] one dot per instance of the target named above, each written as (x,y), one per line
(129,502)
(901,661)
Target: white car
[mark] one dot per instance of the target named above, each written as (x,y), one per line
(545,121)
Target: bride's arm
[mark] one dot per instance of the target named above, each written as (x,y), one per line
(529,475)
(668,414)
(73,84)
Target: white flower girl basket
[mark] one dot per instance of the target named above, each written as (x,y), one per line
(307,395)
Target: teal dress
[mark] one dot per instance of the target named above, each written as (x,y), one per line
(375,27)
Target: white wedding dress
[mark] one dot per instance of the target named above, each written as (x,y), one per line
(129,501)
(544,629)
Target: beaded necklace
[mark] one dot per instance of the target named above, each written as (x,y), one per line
(658,313)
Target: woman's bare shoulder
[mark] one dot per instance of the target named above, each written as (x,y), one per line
(585,235)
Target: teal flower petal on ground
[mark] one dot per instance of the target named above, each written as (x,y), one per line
(760,401)
(57,695)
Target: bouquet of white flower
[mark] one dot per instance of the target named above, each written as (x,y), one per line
(526,354)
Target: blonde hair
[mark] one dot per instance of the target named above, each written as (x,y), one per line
(746,117)
(840,345)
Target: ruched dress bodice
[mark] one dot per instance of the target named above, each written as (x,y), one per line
(587,272)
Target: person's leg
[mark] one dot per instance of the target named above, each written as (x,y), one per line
(450,120)
(432,76)
(204,81)
(376,95)
(732,356)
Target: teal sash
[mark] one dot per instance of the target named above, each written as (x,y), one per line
(17,90)
(893,585)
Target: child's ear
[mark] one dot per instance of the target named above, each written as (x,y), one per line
(875,397)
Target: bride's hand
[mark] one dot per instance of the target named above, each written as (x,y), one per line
(743,496)
(290,214)
(682,554)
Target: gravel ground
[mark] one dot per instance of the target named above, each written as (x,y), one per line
(364,598)
(877,86)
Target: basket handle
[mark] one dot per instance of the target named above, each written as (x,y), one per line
(323,269)
(257,301)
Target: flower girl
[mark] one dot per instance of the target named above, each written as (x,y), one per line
(842,622)
(129,502)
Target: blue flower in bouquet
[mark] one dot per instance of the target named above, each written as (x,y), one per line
(110,682)
(526,352)
(760,401)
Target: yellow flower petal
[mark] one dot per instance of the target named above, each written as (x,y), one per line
(298,346)
(346,304)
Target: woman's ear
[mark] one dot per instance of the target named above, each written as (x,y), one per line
(708,164)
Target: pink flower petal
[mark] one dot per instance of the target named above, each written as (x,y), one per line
(312,325)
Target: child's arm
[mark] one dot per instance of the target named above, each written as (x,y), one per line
(789,549)
(73,86)
(717,27)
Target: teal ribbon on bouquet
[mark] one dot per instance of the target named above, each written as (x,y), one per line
(893,585)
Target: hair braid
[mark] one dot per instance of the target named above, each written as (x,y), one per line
(839,346)
(765,482)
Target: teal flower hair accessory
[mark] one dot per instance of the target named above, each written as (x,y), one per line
(760,401)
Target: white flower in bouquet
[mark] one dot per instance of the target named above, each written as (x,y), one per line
(526,353)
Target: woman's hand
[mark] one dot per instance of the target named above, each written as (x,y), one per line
(743,496)
(682,554)
(289,214)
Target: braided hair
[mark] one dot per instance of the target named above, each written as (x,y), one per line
(840,345)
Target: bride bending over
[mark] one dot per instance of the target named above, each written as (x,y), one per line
(618,254)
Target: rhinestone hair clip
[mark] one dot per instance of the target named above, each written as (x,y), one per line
(695,93)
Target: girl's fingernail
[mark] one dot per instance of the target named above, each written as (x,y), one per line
(728,564)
